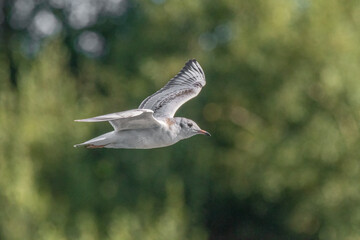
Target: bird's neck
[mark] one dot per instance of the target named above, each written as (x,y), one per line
(173,128)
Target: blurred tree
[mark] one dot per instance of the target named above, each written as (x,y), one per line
(282,102)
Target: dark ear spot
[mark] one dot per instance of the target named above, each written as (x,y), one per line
(181,125)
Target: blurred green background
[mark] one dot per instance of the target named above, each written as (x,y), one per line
(282,102)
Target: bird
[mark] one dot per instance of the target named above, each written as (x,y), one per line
(152,124)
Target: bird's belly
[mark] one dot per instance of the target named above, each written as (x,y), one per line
(142,139)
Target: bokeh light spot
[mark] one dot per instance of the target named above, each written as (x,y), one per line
(45,24)
(207,41)
(91,43)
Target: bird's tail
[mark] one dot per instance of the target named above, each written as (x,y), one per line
(98,142)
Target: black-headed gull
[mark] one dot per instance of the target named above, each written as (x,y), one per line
(153,125)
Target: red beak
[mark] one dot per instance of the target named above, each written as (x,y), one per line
(204,132)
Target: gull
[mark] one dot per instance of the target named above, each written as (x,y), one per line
(153,124)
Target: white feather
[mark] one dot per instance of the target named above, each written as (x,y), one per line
(131,119)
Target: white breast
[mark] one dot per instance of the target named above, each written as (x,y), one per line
(145,138)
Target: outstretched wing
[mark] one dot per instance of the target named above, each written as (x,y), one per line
(184,86)
(131,119)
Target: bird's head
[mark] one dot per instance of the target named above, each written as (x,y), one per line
(189,128)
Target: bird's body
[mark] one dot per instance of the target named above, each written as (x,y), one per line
(152,125)
(143,138)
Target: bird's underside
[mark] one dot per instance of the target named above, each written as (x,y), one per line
(135,128)
(152,124)
(143,138)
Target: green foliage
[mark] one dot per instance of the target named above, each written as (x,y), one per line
(281,102)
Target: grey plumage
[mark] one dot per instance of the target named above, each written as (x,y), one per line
(186,85)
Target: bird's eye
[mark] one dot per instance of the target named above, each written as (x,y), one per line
(190,125)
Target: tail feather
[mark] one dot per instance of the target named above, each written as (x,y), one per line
(98,142)
(90,145)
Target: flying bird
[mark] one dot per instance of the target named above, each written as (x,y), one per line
(153,124)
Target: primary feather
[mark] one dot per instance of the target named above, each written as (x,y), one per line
(186,85)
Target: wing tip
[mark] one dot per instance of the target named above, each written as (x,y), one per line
(80,120)
(194,64)
(191,61)
(90,120)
